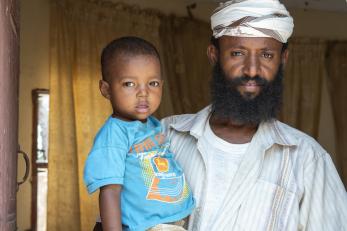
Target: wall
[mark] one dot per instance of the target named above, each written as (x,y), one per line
(319,24)
(35,67)
(177,7)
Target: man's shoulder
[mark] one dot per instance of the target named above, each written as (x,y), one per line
(185,122)
(288,129)
(303,140)
(177,119)
(181,123)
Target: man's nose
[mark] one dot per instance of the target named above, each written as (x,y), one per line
(251,66)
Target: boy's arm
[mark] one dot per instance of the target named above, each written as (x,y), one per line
(109,203)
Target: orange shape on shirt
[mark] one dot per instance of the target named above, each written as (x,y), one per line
(161,164)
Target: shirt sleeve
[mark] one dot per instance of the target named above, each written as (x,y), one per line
(324,205)
(104,166)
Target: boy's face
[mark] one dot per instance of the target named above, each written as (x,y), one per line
(135,86)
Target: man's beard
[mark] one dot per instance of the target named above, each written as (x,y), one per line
(228,103)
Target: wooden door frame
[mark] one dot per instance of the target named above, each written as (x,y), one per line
(9,87)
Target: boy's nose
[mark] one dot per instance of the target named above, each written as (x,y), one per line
(142,92)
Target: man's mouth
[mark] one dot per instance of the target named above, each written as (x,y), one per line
(251,83)
(251,86)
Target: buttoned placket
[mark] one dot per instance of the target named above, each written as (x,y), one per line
(204,185)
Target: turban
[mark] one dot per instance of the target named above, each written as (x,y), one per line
(252,18)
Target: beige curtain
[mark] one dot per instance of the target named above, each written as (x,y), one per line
(337,82)
(302,85)
(186,63)
(79,30)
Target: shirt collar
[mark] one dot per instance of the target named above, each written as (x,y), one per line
(194,124)
(275,132)
(268,133)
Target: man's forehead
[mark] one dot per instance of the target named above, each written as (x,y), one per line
(249,42)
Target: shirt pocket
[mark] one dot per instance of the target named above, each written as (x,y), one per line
(266,208)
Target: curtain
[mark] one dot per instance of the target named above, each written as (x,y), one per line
(186,63)
(337,81)
(303,84)
(79,30)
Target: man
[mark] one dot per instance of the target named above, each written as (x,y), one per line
(247,170)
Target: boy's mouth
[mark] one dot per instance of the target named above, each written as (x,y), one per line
(142,107)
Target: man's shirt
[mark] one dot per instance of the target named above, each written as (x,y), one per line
(285,181)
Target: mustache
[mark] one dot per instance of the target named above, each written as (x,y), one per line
(237,81)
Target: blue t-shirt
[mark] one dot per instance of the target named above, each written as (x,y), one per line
(136,155)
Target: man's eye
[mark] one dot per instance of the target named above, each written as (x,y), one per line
(236,53)
(128,84)
(154,84)
(267,55)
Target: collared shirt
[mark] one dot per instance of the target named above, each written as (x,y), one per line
(286,180)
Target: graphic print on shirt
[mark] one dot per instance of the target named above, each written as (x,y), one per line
(163,179)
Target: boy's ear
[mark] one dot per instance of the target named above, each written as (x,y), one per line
(105,89)
(212,54)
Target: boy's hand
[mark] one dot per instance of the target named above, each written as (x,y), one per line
(109,202)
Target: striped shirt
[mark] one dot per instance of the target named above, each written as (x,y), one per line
(286,181)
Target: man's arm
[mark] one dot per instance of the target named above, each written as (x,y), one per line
(109,203)
(324,205)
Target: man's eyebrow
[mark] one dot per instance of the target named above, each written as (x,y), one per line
(268,49)
(238,47)
(245,48)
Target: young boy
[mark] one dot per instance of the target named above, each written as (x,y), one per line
(141,185)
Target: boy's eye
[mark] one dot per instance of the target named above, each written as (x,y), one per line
(154,83)
(128,84)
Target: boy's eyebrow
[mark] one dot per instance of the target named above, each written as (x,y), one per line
(126,77)
(133,77)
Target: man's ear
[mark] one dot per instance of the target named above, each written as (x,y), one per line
(284,57)
(212,54)
(105,89)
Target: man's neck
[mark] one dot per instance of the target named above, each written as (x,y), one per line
(232,131)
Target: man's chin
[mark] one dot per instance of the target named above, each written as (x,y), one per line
(249,95)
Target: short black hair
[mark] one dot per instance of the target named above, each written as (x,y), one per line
(215,42)
(129,45)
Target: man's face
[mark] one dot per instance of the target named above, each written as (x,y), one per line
(247,78)
(250,58)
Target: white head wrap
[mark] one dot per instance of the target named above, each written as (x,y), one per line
(252,18)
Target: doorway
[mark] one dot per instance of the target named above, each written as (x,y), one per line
(40,99)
